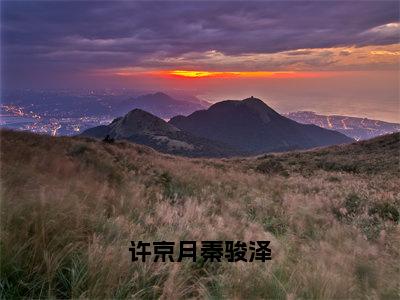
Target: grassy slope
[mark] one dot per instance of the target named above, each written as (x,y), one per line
(71,206)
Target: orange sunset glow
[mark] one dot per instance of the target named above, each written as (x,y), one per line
(221,74)
(242,74)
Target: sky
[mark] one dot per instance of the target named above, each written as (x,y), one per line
(326,56)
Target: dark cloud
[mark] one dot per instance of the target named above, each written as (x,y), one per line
(77,35)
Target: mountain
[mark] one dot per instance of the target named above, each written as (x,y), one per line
(356,128)
(144,128)
(163,105)
(187,97)
(252,126)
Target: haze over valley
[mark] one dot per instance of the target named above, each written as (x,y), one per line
(70,112)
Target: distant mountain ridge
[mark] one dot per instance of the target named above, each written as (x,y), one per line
(252,126)
(163,105)
(354,127)
(141,127)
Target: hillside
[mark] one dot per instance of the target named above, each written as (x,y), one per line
(252,126)
(71,206)
(144,128)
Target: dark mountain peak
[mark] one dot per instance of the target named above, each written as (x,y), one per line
(260,107)
(255,103)
(138,113)
(251,125)
(253,107)
(138,120)
(253,100)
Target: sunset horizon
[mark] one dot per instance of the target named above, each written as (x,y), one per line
(331,57)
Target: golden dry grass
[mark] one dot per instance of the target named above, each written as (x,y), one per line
(70,207)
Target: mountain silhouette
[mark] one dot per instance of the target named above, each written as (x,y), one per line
(252,126)
(141,127)
(163,105)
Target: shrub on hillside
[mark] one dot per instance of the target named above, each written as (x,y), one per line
(354,204)
(173,189)
(338,166)
(386,211)
(271,167)
(351,207)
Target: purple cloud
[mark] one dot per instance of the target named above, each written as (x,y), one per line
(77,35)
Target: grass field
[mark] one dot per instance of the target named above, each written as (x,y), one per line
(71,206)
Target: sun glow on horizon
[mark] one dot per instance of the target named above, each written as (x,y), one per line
(193,74)
(301,63)
(223,74)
